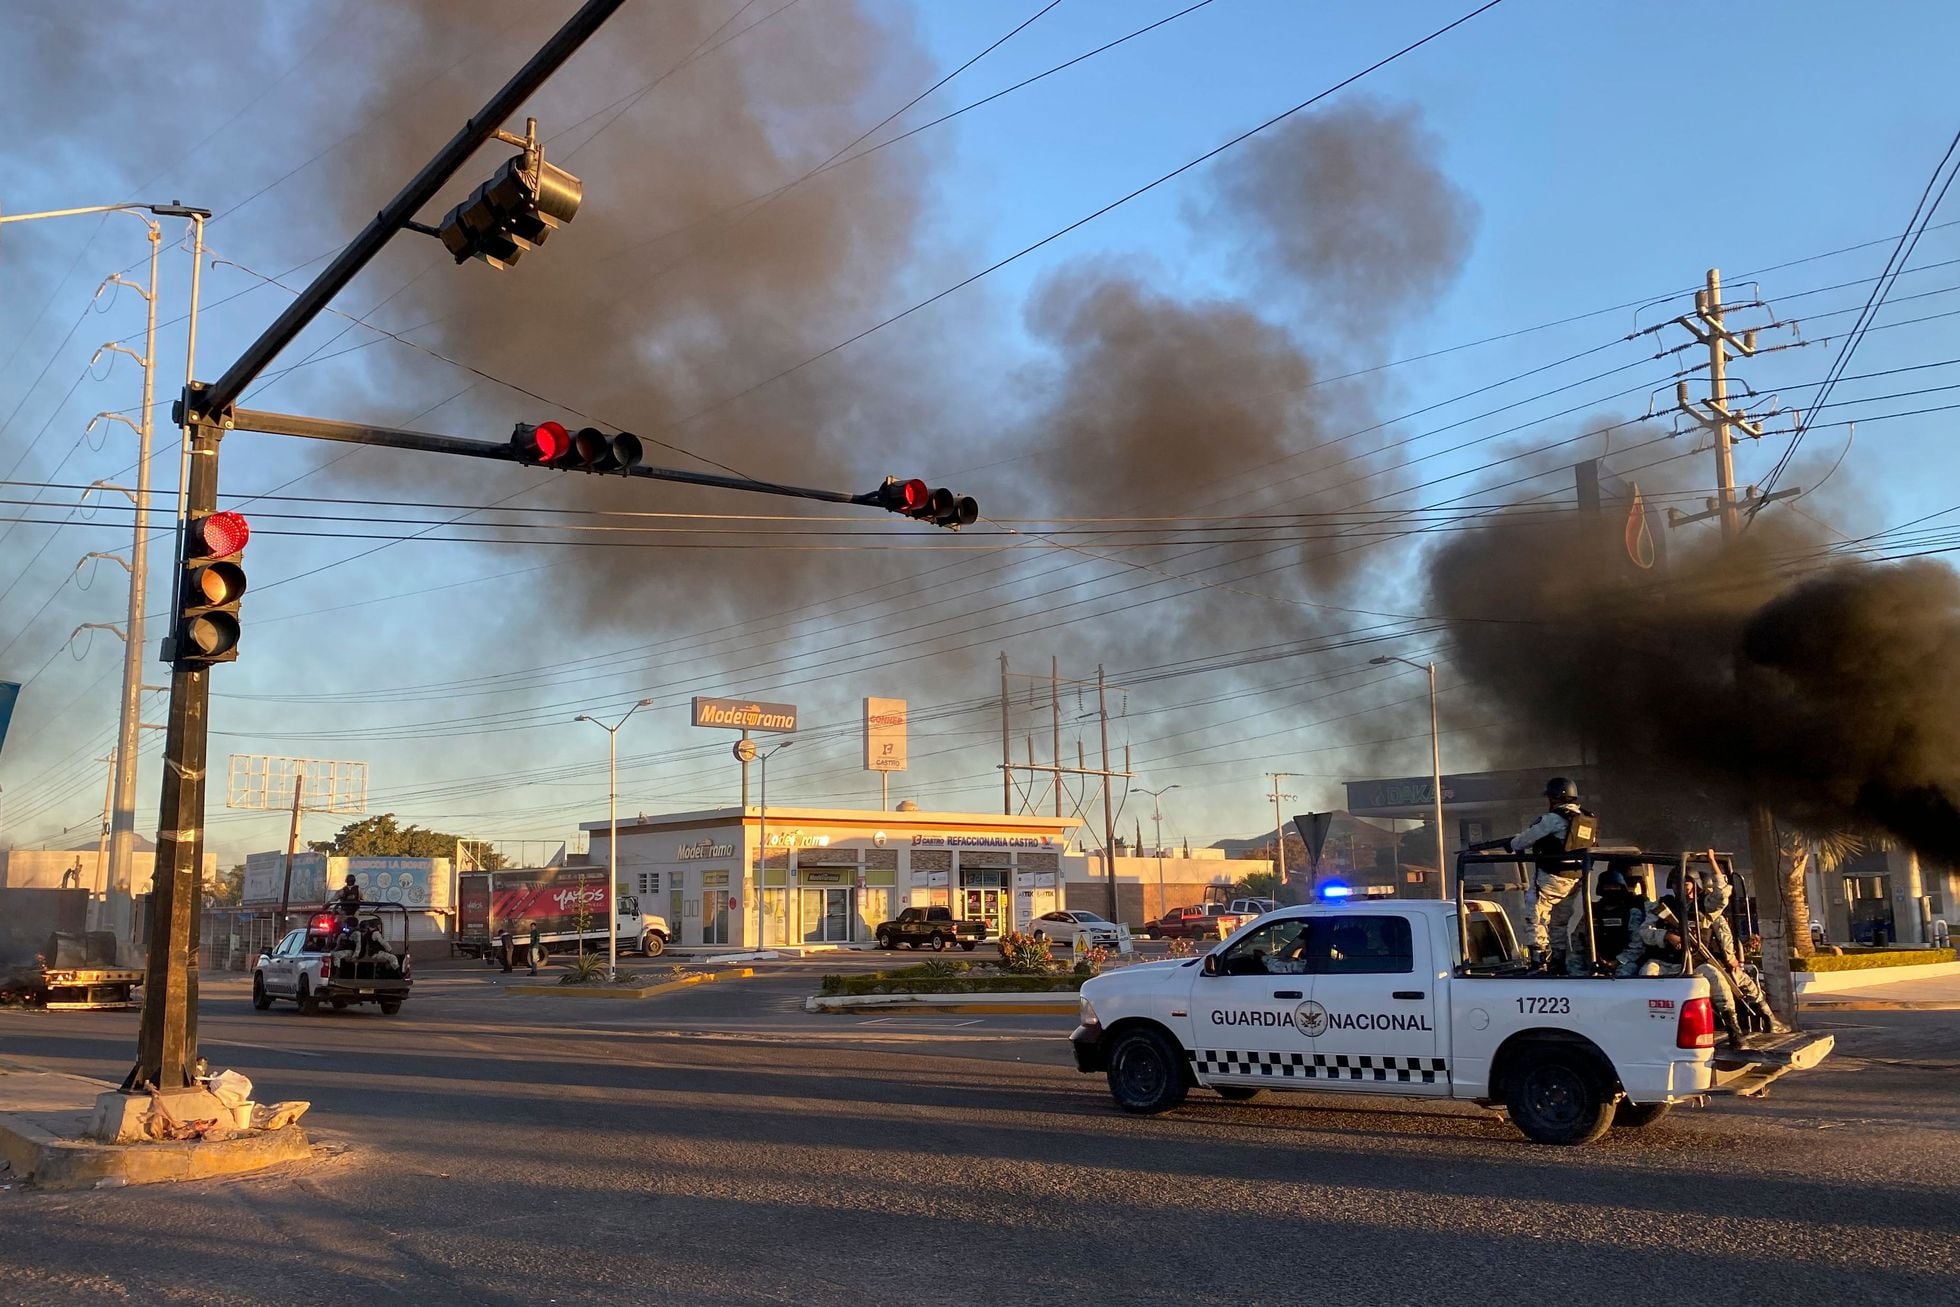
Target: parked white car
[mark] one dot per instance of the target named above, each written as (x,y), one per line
(1062,928)
(1253,907)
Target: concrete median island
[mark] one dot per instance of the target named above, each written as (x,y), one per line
(46,1119)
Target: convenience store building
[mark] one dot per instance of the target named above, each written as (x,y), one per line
(830,875)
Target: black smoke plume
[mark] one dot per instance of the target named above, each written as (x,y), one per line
(1828,691)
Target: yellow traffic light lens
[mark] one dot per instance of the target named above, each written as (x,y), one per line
(212,586)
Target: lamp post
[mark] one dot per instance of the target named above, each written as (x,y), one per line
(1435,762)
(612,840)
(1157,821)
(747,752)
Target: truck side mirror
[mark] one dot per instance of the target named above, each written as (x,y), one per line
(1210,965)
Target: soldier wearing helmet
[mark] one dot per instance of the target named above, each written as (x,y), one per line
(1616,917)
(1557,842)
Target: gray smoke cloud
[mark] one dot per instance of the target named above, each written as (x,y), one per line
(1737,675)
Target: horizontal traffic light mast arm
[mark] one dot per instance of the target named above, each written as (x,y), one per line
(428,442)
(422,188)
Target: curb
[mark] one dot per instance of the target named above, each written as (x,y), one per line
(1034,1004)
(621,991)
(52,1163)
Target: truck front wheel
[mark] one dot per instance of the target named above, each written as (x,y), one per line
(1145,1076)
(653,944)
(938,942)
(261,1001)
(1558,1096)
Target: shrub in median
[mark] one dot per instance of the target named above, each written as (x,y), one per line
(1872,959)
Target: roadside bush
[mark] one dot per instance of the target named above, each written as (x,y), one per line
(1872,959)
(1024,955)
(584,969)
(940,968)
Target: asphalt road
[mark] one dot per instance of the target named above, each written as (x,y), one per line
(720,1146)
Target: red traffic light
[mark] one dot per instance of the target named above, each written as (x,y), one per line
(547,442)
(221,534)
(912,495)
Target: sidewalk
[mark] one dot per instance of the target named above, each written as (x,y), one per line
(1928,994)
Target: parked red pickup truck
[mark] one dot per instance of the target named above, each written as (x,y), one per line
(1211,921)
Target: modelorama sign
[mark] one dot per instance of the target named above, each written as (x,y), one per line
(744,714)
(703,849)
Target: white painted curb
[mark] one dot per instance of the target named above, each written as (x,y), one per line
(1838,982)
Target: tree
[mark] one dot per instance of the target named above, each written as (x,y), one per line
(226,889)
(384,837)
(1256,885)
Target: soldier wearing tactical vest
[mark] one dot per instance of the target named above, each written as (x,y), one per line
(1557,842)
(1616,916)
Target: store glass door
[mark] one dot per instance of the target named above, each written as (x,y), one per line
(714,916)
(826,916)
(987,905)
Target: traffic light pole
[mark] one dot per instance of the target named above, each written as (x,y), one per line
(166,1044)
(428,442)
(166,1041)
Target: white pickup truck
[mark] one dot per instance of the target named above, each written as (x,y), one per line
(1378,998)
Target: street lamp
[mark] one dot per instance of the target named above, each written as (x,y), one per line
(612,840)
(1157,819)
(747,752)
(1435,761)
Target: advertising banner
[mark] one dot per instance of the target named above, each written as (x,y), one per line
(884,734)
(264,873)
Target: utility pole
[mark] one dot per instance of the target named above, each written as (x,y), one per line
(1006,745)
(1055,715)
(99,883)
(1109,800)
(1707,326)
(1279,829)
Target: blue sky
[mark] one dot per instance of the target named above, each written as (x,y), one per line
(1612,155)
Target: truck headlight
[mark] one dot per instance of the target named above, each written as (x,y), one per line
(1088,1011)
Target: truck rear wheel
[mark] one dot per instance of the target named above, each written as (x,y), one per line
(968,944)
(1638,1116)
(304,997)
(1558,1096)
(1145,1075)
(1239,1093)
(653,944)
(390,1006)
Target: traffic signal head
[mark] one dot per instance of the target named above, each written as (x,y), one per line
(552,444)
(521,204)
(940,507)
(210,589)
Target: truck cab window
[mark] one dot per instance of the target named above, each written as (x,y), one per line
(1366,946)
(1278,948)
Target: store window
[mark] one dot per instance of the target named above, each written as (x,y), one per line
(649,882)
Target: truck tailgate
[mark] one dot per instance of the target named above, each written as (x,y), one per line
(1749,1071)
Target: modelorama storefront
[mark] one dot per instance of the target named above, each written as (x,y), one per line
(832,874)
